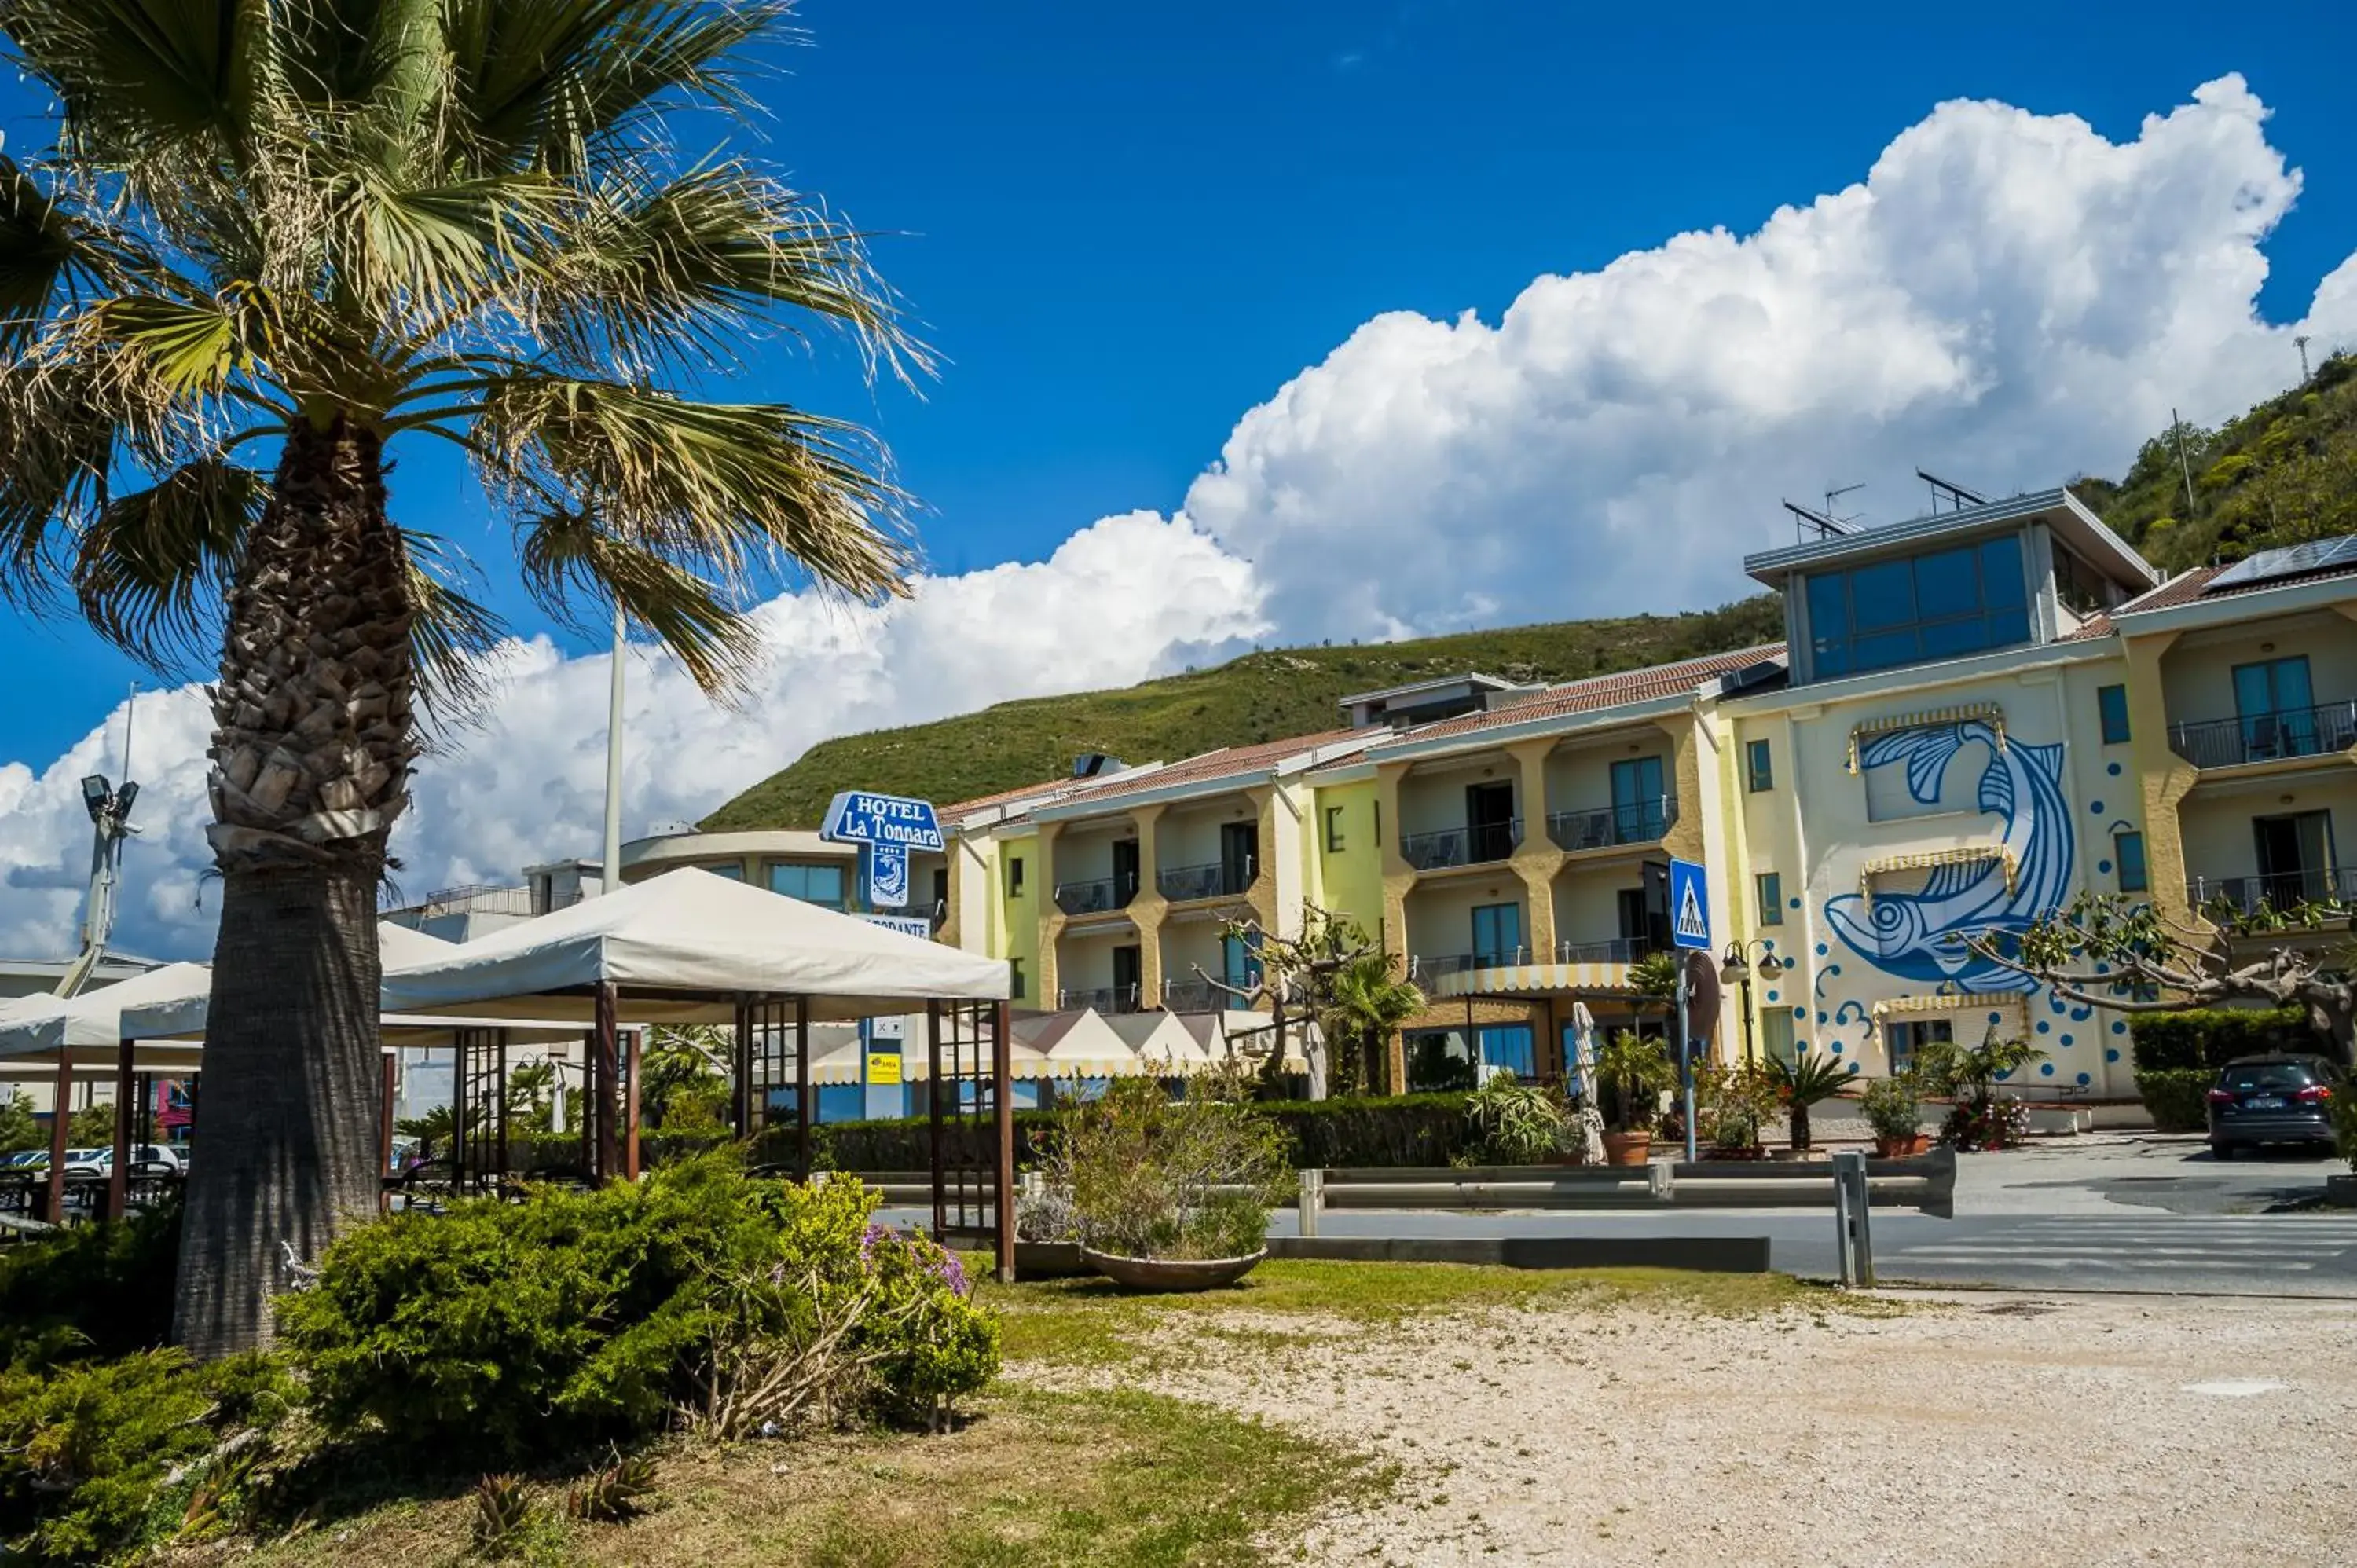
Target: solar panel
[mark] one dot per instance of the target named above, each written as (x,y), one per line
(2290,561)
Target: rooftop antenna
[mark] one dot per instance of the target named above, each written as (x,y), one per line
(1956,496)
(1835,494)
(2301,343)
(1827,525)
(110,820)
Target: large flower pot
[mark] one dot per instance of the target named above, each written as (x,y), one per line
(1920,1143)
(1891,1148)
(1627,1148)
(1171,1274)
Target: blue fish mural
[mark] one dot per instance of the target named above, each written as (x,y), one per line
(1914,935)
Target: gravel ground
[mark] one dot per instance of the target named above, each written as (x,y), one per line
(1970,1429)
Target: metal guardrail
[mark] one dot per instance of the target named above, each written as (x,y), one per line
(1104,999)
(1195,996)
(1475,845)
(1219,880)
(1619,950)
(2266,738)
(1602,827)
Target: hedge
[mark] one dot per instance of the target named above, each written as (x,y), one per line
(2175,1095)
(2211,1037)
(1376,1130)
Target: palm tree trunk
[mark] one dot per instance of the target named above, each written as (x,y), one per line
(311,753)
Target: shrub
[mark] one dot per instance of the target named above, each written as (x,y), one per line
(507,1332)
(98,1458)
(1156,1177)
(1631,1072)
(98,1290)
(2213,1037)
(1808,1080)
(1893,1106)
(1372,1131)
(1518,1123)
(1731,1103)
(2175,1098)
(1981,1118)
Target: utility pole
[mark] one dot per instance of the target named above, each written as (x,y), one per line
(2176,428)
(2301,342)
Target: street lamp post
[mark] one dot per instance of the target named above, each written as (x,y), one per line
(1736,968)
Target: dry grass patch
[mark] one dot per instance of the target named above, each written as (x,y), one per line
(1067,1478)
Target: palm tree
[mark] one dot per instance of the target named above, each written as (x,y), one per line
(1365,1002)
(320,226)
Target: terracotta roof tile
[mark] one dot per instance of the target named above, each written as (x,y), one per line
(964,808)
(2182,589)
(1606,691)
(1227,762)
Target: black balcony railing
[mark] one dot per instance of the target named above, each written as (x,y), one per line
(1426,967)
(1473,845)
(1095,898)
(1601,827)
(2278,893)
(1220,880)
(1196,996)
(1619,950)
(1106,999)
(2266,738)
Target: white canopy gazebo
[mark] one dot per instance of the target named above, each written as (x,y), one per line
(691,948)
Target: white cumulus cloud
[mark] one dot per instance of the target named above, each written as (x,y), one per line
(2006,298)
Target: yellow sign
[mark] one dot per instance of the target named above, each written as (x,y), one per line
(883,1066)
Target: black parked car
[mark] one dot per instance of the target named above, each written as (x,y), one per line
(2272,1100)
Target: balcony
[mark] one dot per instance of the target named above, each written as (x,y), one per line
(2273,896)
(1197,996)
(2266,738)
(1110,999)
(1220,880)
(1474,846)
(1619,950)
(1095,898)
(1639,822)
(1425,967)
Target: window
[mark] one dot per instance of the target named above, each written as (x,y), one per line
(2111,708)
(1497,935)
(1379,824)
(1760,766)
(2275,703)
(2127,854)
(1908,1038)
(1015,978)
(1772,898)
(1014,876)
(1238,966)
(1639,800)
(730,870)
(1510,1047)
(1776,1034)
(820,885)
(1333,829)
(942,890)
(1940,606)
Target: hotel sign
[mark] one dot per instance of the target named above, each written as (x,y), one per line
(886,828)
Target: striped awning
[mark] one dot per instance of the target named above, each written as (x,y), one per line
(2004,1001)
(1523,979)
(1990,712)
(1923,860)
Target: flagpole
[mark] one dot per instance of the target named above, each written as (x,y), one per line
(609,876)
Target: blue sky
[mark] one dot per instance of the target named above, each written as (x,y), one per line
(1281,322)
(1124,225)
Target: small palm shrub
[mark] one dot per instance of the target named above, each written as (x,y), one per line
(1151,1176)
(1518,1123)
(1808,1080)
(1631,1072)
(616,1492)
(1982,1118)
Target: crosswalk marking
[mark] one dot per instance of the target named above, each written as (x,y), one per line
(2245,1244)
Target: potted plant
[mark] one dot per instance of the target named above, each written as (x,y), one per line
(1631,1072)
(1982,1118)
(1807,1080)
(1894,1109)
(1169,1194)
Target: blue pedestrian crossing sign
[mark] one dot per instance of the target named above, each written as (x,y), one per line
(1689,906)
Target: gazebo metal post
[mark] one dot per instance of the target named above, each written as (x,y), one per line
(1001,1073)
(588,1105)
(118,1180)
(741,1101)
(609,1154)
(146,1108)
(61,1116)
(801,1090)
(389,1076)
(630,1109)
(458,1113)
(498,1115)
(933,1110)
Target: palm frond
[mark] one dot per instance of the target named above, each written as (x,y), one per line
(726,489)
(189,348)
(569,559)
(56,446)
(452,636)
(149,571)
(46,260)
(135,78)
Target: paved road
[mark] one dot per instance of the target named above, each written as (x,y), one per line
(2116,1212)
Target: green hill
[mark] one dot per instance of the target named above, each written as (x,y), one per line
(1261,697)
(2284,472)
